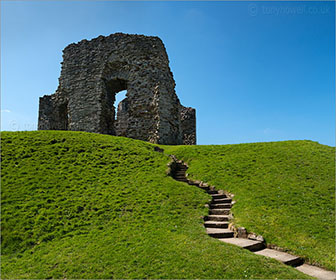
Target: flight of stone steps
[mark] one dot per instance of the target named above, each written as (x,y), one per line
(217,226)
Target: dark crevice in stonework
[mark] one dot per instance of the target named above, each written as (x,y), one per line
(64,115)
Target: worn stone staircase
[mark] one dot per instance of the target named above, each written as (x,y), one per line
(217,226)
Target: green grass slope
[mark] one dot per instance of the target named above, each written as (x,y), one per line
(284,191)
(88,206)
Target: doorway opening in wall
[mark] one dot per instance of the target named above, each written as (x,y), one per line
(63,116)
(120,96)
(121,113)
(115,89)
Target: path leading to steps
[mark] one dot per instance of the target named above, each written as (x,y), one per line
(217,224)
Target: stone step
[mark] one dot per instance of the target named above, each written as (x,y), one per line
(220,218)
(245,243)
(212,192)
(219,232)
(219,211)
(182,180)
(218,196)
(220,201)
(280,256)
(220,206)
(216,224)
(317,272)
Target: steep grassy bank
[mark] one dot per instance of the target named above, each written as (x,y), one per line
(81,205)
(285,191)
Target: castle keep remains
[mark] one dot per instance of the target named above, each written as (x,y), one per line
(94,71)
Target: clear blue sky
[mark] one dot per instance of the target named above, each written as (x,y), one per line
(255,71)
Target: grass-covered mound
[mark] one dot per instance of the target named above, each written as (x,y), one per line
(285,191)
(88,206)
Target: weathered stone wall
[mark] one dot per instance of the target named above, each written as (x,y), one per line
(94,71)
(53,113)
(122,118)
(188,125)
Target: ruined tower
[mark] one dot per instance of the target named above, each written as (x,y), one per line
(94,71)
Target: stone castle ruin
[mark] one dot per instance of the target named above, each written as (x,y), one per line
(94,71)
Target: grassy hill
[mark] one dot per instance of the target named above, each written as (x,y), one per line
(284,191)
(81,205)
